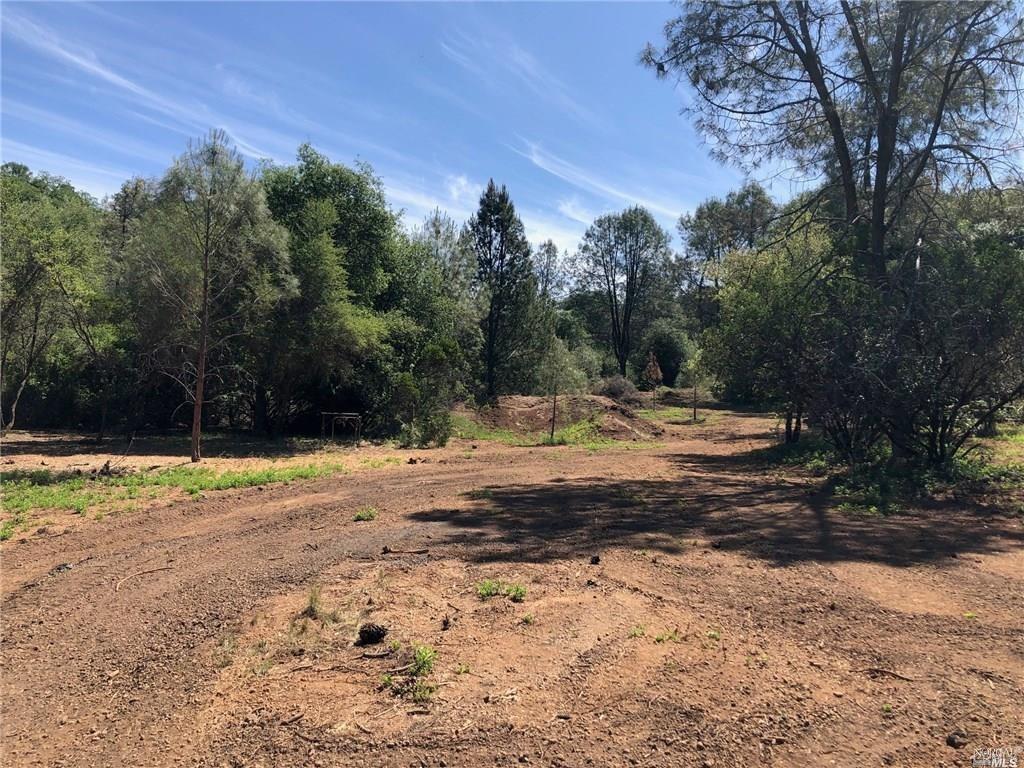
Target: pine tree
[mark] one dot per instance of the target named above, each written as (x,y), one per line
(506,284)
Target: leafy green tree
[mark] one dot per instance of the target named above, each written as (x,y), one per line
(363,229)
(620,257)
(887,103)
(49,234)
(214,263)
(714,229)
(771,335)
(667,340)
(506,285)
(317,336)
(559,374)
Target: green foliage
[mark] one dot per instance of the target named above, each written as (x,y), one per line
(671,346)
(621,257)
(710,233)
(366,514)
(508,290)
(423,659)
(34,491)
(584,434)
(488,588)
(468,428)
(772,327)
(492,588)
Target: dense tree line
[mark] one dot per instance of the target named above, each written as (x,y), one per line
(224,296)
(883,305)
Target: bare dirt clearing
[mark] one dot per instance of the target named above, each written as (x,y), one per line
(732,618)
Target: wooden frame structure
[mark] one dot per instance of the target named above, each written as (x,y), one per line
(353,420)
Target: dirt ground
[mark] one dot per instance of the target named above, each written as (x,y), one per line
(685,606)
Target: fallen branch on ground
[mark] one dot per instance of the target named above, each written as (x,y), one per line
(117,587)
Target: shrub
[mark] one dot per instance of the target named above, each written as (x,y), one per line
(621,389)
(365,515)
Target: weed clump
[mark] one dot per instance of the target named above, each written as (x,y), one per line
(409,680)
(493,588)
(365,515)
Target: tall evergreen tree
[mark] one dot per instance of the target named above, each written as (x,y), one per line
(506,283)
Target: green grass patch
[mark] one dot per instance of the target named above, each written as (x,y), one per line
(679,415)
(669,637)
(409,681)
(364,515)
(493,588)
(469,429)
(581,434)
(1011,434)
(25,492)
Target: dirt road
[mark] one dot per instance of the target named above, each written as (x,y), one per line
(732,618)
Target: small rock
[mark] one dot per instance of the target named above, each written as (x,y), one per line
(595,559)
(957,740)
(371,634)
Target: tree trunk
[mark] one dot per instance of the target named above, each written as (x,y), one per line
(103,420)
(695,400)
(789,427)
(261,413)
(554,411)
(197,409)
(14,403)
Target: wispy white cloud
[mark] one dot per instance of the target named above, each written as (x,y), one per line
(571,208)
(461,190)
(192,118)
(489,53)
(47,42)
(455,53)
(594,184)
(418,197)
(115,142)
(541,226)
(545,84)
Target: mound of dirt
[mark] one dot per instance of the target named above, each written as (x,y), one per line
(529,414)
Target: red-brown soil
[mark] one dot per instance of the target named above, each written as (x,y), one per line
(734,619)
(530,414)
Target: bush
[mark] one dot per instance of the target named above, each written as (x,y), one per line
(621,389)
(433,428)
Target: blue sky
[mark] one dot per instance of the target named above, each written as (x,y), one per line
(546,98)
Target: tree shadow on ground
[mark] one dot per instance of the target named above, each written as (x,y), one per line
(725,502)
